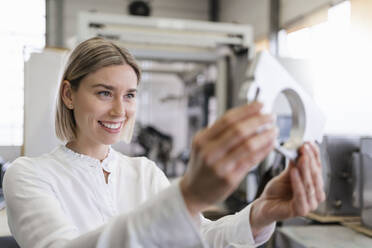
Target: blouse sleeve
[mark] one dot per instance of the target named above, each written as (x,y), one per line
(36,219)
(229,231)
(234,231)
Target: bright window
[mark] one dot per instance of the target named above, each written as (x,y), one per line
(340,86)
(22,30)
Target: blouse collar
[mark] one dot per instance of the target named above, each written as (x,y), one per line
(107,164)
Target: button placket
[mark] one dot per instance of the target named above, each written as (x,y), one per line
(110,193)
(107,196)
(98,193)
(110,197)
(105,202)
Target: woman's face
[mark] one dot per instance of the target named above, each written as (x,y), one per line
(103,103)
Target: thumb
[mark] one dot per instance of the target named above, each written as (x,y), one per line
(286,173)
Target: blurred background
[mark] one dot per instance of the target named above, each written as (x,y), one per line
(195,56)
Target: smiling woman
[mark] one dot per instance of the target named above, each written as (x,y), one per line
(85,194)
(101,109)
(92,65)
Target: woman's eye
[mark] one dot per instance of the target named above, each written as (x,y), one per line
(130,96)
(104,93)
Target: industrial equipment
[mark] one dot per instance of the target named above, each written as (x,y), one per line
(338,159)
(365,182)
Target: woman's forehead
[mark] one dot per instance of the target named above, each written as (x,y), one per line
(116,76)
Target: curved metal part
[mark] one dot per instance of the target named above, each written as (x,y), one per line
(298,119)
(269,76)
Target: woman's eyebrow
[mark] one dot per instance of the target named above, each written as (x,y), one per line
(109,87)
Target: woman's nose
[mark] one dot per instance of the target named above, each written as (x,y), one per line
(118,108)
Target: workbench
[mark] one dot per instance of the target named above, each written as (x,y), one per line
(320,236)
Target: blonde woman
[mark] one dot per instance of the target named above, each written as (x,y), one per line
(85,194)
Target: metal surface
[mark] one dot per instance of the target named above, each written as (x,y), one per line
(267,74)
(366,182)
(221,85)
(274,26)
(214,10)
(321,236)
(337,154)
(172,35)
(54,14)
(357,180)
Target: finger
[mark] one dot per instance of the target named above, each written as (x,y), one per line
(251,151)
(314,149)
(286,172)
(316,152)
(231,117)
(299,203)
(237,135)
(316,175)
(246,163)
(304,166)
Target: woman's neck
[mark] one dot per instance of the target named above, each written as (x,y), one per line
(95,151)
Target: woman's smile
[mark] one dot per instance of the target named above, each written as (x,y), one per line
(111,127)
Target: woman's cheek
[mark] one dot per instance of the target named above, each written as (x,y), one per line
(131,108)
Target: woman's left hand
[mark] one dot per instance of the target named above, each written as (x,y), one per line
(295,192)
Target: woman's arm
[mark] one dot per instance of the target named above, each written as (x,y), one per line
(234,231)
(37,220)
(295,192)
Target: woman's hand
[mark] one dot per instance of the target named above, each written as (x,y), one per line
(223,153)
(295,192)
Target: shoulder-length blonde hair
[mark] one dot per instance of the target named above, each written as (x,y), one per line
(89,56)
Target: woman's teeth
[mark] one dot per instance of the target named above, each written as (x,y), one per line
(111,126)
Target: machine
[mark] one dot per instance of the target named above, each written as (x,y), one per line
(365,183)
(339,163)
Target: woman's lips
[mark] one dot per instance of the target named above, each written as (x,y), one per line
(111,127)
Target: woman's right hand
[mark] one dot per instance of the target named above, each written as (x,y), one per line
(223,153)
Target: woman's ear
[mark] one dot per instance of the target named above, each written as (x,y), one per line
(67,94)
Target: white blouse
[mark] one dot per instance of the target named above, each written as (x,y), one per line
(61,199)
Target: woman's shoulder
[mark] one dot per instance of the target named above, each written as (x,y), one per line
(20,164)
(24,171)
(28,164)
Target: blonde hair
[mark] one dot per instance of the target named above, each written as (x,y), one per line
(90,56)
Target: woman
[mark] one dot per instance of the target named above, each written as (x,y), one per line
(85,194)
